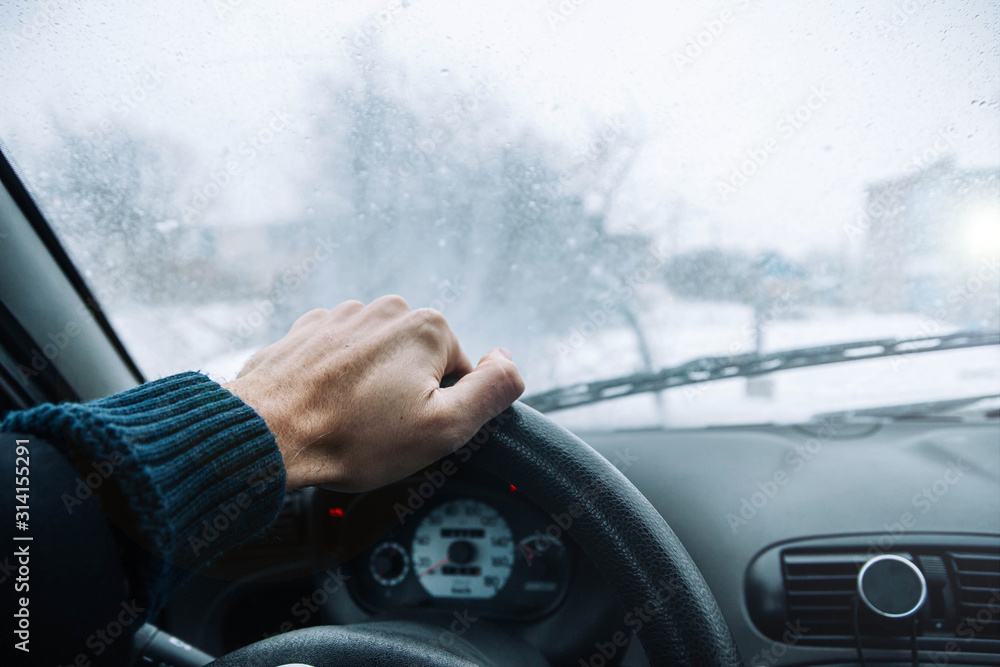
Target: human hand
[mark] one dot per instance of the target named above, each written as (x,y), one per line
(353,395)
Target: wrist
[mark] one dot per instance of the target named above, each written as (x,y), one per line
(182,452)
(281,428)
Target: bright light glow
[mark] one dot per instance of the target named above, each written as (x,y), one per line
(981,229)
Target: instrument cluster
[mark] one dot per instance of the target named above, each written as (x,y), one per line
(477,546)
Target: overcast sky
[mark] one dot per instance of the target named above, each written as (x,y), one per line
(886,83)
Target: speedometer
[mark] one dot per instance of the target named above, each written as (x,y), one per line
(463,549)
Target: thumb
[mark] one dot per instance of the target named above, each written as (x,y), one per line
(482,394)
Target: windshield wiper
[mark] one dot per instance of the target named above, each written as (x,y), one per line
(955,409)
(708,369)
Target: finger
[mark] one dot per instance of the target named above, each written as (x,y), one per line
(480,395)
(502,351)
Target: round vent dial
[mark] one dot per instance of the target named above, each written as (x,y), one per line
(892,586)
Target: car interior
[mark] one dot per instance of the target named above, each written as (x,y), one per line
(639,509)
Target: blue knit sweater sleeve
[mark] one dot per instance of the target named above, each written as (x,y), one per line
(196,470)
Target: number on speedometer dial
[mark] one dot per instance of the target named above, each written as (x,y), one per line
(463,549)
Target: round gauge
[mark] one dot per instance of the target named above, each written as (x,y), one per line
(463,549)
(546,568)
(389,564)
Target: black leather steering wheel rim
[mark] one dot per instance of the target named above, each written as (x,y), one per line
(619,530)
(614,524)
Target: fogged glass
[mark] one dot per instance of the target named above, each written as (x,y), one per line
(602,188)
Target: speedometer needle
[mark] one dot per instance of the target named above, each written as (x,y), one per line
(443,561)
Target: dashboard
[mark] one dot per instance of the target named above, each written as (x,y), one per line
(473,544)
(779,519)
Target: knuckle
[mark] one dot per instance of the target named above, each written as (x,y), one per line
(510,378)
(312,315)
(391,302)
(429,319)
(352,304)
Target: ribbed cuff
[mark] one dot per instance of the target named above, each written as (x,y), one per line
(198,469)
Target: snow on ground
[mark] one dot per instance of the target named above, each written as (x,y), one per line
(680,331)
(165,340)
(799,394)
(168,339)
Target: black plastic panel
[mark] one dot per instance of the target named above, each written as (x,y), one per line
(825,619)
(804,483)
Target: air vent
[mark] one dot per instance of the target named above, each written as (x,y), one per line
(810,588)
(977,575)
(820,591)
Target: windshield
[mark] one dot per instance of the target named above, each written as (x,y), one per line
(602,188)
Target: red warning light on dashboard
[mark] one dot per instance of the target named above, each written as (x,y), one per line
(513,488)
(337,511)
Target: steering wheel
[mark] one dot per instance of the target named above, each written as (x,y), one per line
(619,530)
